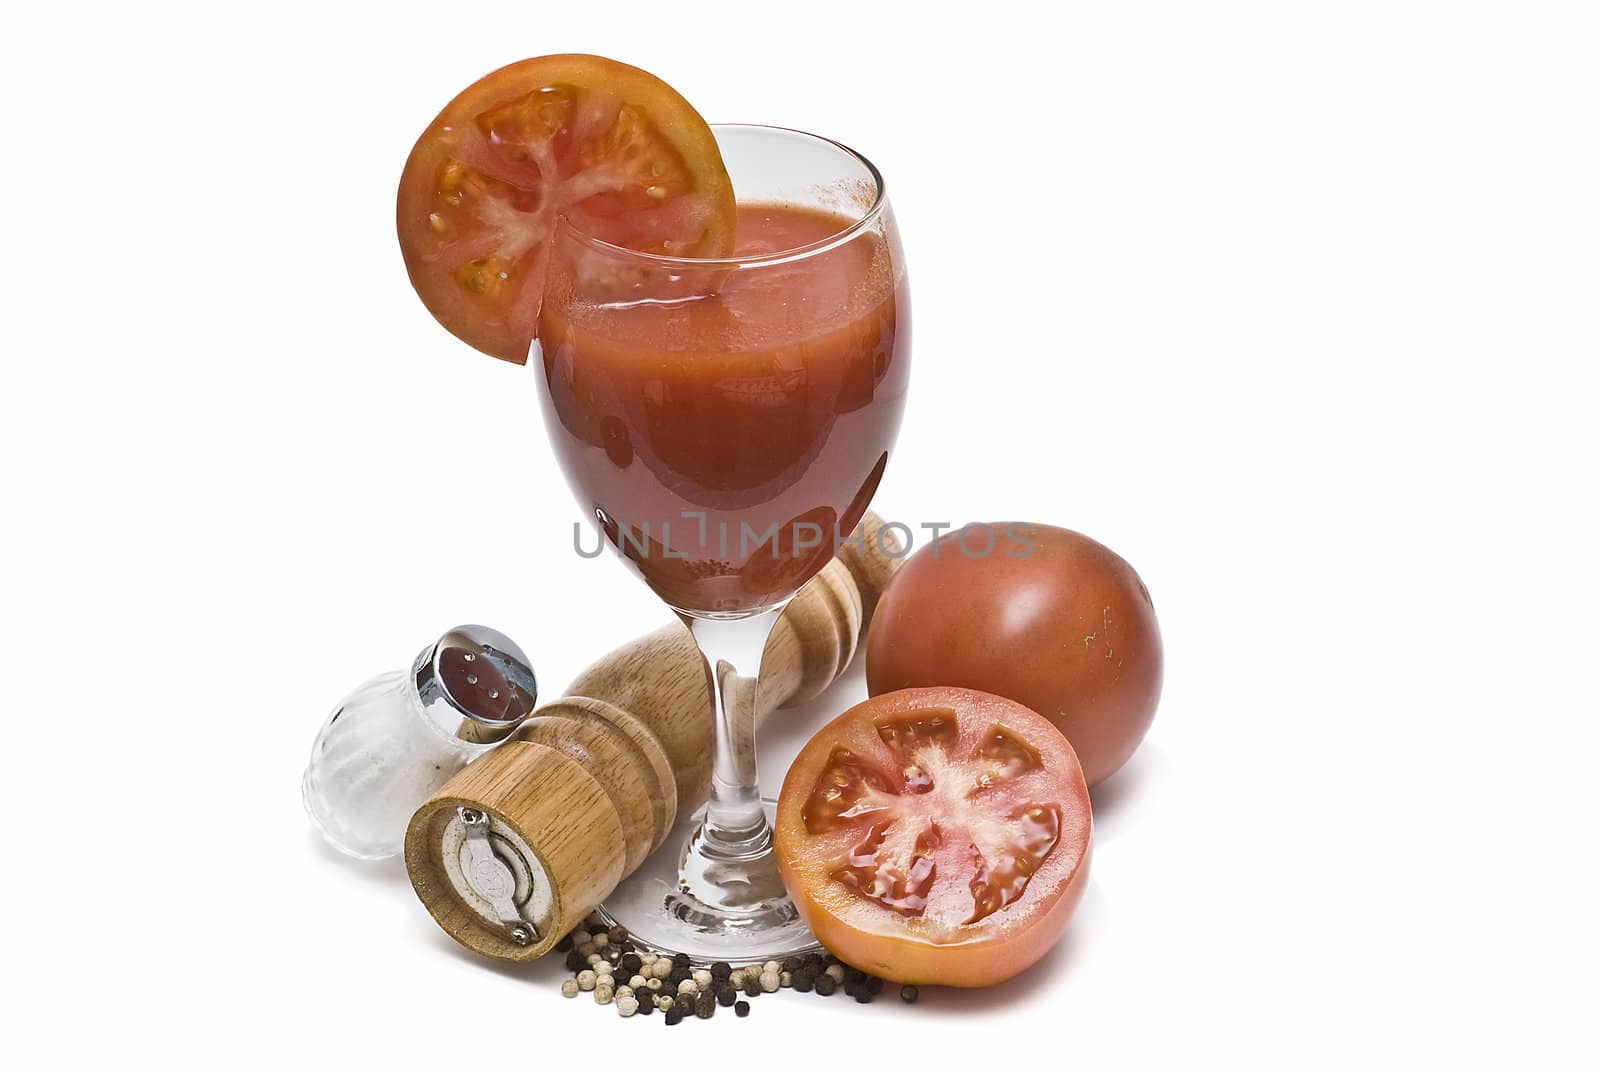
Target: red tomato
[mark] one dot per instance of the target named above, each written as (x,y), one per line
(609,146)
(936,835)
(1041,615)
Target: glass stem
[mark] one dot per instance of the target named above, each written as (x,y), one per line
(735,825)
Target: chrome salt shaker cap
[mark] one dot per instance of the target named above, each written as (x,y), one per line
(475,683)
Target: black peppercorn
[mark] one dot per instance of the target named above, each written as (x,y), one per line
(674,1017)
(872,985)
(705,1006)
(721,971)
(791,964)
(853,975)
(679,975)
(726,995)
(576,961)
(684,1002)
(630,965)
(742,1008)
(647,1005)
(863,995)
(565,944)
(752,986)
(908,993)
(681,960)
(617,933)
(826,985)
(803,981)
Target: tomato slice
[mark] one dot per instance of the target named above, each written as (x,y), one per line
(611,147)
(936,836)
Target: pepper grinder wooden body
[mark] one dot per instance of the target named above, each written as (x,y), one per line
(517,848)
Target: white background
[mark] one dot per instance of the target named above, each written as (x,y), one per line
(1293,305)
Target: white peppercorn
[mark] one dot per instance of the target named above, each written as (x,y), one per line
(569,988)
(772,966)
(769,981)
(636,982)
(785,979)
(652,983)
(702,979)
(603,994)
(836,972)
(688,986)
(627,1006)
(603,968)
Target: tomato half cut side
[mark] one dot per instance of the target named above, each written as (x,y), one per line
(611,147)
(936,836)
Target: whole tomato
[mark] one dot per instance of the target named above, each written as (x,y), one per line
(1041,615)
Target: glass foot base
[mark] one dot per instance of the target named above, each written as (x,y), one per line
(757,922)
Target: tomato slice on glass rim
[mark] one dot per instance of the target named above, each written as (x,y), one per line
(611,147)
(936,836)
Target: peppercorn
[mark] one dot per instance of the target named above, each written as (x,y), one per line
(791,965)
(684,1003)
(679,975)
(873,984)
(586,980)
(813,963)
(601,940)
(617,933)
(835,970)
(565,944)
(688,986)
(647,1006)
(853,975)
(705,1005)
(630,964)
(681,960)
(803,981)
(576,961)
(908,993)
(726,995)
(863,996)
(569,988)
(769,981)
(741,1008)
(826,985)
(674,1017)
(752,985)
(721,971)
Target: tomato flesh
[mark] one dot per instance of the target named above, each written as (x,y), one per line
(610,147)
(936,835)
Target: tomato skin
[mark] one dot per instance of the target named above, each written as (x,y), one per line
(1067,629)
(907,951)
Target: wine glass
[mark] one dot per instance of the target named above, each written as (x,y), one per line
(727,422)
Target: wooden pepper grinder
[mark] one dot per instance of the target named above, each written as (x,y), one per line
(522,844)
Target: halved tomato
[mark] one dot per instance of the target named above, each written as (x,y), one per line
(611,147)
(936,836)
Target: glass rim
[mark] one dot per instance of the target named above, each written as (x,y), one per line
(782,256)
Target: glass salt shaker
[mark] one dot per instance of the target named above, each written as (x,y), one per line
(400,736)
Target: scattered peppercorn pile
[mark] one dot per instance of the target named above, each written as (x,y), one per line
(604,962)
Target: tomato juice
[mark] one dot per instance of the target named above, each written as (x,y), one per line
(726,421)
